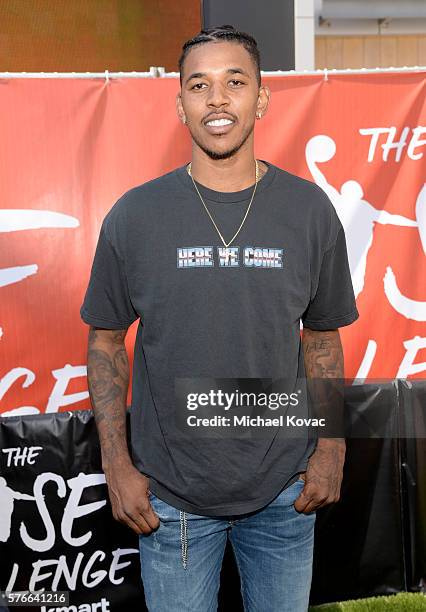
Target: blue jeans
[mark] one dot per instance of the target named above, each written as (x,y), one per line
(273,548)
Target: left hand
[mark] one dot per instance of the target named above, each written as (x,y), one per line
(323,476)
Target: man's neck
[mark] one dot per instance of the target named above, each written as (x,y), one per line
(224,175)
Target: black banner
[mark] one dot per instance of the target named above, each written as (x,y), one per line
(56,527)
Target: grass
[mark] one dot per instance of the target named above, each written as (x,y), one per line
(401,602)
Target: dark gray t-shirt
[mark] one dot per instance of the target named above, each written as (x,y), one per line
(208,313)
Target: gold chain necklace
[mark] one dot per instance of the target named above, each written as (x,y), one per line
(226,244)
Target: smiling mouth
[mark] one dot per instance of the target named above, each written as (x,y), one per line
(219,126)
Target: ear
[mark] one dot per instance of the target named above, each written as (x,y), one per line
(263,101)
(179,108)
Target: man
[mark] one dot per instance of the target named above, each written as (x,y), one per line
(220,259)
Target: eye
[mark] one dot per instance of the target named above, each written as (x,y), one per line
(196,86)
(236,81)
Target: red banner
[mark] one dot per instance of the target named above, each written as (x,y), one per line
(71,147)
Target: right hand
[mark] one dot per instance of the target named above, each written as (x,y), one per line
(128,494)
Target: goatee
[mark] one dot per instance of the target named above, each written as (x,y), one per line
(223,154)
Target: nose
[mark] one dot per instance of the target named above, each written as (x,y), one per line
(217,95)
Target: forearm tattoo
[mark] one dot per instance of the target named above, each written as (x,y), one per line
(324,367)
(323,354)
(108,380)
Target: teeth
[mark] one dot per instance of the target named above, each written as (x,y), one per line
(218,122)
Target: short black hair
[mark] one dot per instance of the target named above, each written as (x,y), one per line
(223,33)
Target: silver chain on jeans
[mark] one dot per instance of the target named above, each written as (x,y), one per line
(184,537)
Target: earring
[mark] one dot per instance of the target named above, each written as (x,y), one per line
(258,115)
(184,120)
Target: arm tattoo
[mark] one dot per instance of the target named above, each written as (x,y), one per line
(108,380)
(323,353)
(323,356)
